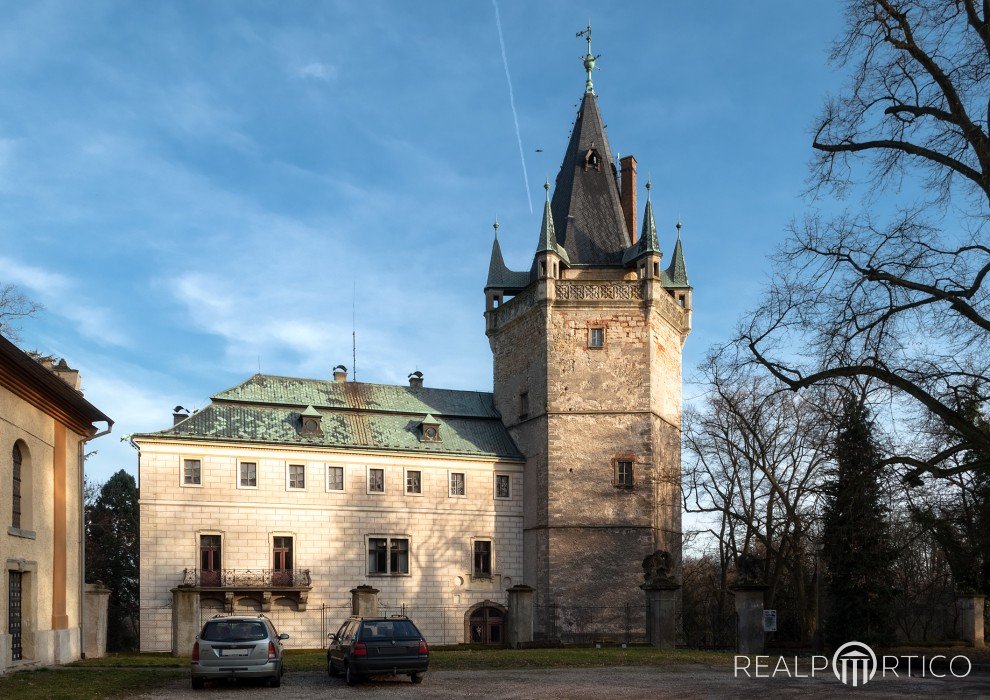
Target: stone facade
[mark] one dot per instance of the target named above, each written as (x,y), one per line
(46,420)
(329,531)
(588,408)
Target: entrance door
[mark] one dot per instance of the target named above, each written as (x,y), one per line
(14,615)
(209,560)
(282,568)
(486,626)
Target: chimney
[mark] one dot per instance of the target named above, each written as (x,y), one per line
(628,195)
(416,378)
(179,414)
(340,373)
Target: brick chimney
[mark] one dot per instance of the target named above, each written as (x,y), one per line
(628,194)
(416,379)
(340,373)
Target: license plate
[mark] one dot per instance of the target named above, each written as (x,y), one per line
(233,652)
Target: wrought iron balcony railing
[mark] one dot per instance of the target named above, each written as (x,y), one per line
(246,578)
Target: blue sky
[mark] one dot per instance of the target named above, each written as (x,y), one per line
(196,188)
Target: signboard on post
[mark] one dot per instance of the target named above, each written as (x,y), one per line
(769,620)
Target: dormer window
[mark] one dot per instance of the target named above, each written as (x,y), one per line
(429,429)
(312,424)
(592,159)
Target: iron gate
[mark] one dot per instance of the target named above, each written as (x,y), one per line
(14,615)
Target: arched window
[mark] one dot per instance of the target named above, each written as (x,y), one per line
(16,489)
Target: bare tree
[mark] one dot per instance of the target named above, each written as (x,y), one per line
(897,300)
(14,307)
(756,457)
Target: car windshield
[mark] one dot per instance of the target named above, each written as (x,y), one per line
(388,629)
(234,631)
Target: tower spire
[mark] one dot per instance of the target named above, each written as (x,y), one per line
(548,235)
(589,59)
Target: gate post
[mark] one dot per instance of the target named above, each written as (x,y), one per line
(519,621)
(364,601)
(750,637)
(971,609)
(661,613)
(185,620)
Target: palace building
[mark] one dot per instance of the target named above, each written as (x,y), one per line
(283,494)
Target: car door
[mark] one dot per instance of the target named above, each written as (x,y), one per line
(337,644)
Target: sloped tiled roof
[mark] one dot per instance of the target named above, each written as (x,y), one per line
(501,277)
(586,206)
(267,409)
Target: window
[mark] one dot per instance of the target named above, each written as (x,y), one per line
(524,405)
(248,475)
(623,474)
(596,337)
(376,480)
(457,484)
(414,481)
(335,478)
(209,560)
(482,558)
(192,472)
(297,476)
(503,486)
(282,551)
(16,520)
(388,555)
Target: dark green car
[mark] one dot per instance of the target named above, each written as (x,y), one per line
(366,646)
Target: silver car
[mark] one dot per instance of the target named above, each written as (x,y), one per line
(238,647)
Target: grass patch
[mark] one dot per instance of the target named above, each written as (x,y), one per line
(81,684)
(135,660)
(483,659)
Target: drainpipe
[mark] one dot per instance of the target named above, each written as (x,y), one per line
(82,538)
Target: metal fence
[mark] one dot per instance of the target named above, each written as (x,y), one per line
(155,628)
(586,624)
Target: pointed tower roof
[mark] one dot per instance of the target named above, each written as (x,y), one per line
(586,206)
(648,241)
(677,271)
(499,276)
(548,236)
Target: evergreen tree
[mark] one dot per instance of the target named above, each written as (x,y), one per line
(856,538)
(112,555)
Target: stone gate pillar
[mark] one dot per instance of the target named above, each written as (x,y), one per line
(749,618)
(661,614)
(185,620)
(519,621)
(95,607)
(364,601)
(971,618)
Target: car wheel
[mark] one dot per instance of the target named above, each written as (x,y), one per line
(331,671)
(349,676)
(275,681)
(417,677)
(198,683)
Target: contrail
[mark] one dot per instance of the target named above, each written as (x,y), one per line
(512,104)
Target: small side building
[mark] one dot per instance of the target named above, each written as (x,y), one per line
(44,424)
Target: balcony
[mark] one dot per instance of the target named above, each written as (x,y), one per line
(260,584)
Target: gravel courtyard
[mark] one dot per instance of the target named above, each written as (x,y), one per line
(694,681)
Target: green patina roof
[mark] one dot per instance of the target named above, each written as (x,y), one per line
(360,396)
(548,236)
(266,409)
(648,242)
(677,272)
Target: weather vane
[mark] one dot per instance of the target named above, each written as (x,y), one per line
(589,58)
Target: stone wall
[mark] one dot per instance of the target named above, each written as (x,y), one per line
(329,530)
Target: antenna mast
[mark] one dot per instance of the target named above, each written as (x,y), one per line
(354,330)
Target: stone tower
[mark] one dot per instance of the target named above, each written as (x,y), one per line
(587,377)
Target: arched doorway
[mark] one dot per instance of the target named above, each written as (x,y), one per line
(485,622)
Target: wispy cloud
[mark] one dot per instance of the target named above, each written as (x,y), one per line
(317,71)
(62,296)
